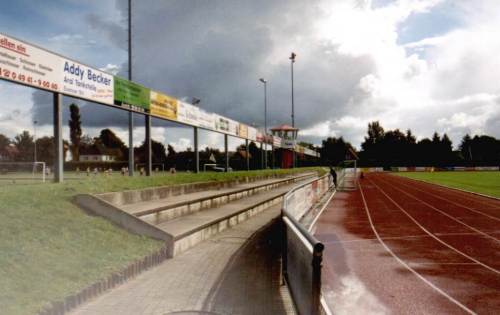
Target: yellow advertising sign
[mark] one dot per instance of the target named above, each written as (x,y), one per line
(163,106)
(243,131)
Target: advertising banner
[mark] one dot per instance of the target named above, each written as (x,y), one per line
(187,113)
(221,123)
(260,136)
(234,127)
(163,106)
(206,119)
(131,95)
(252,133)
(85,82)
(27,64)
(243,131)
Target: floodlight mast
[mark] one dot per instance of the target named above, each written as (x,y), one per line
(130,113)
(265,119)
(292,61)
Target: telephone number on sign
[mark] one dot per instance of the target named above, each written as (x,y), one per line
(27,79)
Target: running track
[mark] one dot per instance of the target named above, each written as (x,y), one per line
(401,246)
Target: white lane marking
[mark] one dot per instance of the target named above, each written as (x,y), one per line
(442,212)
(451,299)
(452,202)
(434,236)
(439,264)
(407,237)
(465,194)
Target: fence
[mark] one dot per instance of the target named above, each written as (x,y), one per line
(302,252)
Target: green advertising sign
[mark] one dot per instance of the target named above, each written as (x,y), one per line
(131,95)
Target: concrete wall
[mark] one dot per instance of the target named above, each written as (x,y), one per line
(121,218)
(134,196)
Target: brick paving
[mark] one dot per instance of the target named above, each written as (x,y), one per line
(235,272)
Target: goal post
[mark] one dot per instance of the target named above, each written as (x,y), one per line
(35,171)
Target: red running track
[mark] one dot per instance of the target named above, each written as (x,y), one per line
(402,246)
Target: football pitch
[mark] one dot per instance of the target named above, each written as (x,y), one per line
(483,182)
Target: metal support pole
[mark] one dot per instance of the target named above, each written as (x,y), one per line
(147,144)
(196,153)
(58,141)
(130,114)
(247,155)
(292,58)
(293,105)
(226,152)
(272,157)
(130,144)
(261,156)
(265,123)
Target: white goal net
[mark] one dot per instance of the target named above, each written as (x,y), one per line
(23,171)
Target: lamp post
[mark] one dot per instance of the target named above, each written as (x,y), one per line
(265,119)
(292,61)
(34,139)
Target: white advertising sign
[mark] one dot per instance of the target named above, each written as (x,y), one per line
(187,113)
(206,119)
(85,82)
(221,123)
(23,63)
(252,133)
(234,127)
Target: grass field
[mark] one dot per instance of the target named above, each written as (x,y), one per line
(49,248)
(482,182)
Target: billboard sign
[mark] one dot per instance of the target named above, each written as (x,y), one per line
(206,119)
(85,82)
(27,64)
(221,124)
(252,133)
(243,131)
(163,106)
(131,95)
(30,65)
(187,113)
(260,136)
(234,127)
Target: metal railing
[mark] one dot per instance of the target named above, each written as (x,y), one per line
(302,252)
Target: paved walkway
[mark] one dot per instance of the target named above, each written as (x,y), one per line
(235,272)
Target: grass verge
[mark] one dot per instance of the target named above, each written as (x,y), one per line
(483,182)
(49,248)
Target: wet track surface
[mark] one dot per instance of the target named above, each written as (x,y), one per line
(405,247)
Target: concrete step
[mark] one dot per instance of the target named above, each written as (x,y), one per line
(166,209)
(189,230)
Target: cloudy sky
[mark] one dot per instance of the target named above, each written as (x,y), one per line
(427,65)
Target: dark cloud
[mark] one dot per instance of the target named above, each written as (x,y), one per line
(217,50)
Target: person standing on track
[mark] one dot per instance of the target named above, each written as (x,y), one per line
(334,176)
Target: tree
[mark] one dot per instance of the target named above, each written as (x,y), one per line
(25,145)
(4,142)
(372,150)
(75,131)
(110,140)
(465,148)
(334,150)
